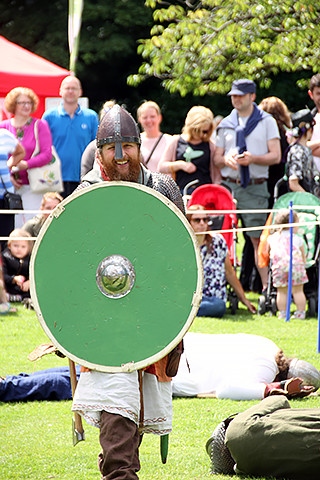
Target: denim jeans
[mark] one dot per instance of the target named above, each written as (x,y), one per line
(49,384)
(211,307)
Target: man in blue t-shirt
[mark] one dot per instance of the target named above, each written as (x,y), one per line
(72,128)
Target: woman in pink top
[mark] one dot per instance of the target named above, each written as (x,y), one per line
(22,102)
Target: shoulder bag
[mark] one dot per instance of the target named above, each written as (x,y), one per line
(47,178)
(11,201)
(154,147)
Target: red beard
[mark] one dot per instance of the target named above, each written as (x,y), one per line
(132,175)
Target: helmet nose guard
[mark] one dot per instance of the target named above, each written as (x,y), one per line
(118,126)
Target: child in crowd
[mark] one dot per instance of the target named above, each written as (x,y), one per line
(49,201)
(15,261)
(279,249)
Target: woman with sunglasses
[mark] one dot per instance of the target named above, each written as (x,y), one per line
(190,156)
(217,267)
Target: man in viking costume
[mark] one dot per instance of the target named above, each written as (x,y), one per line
(125,405)
(269,439)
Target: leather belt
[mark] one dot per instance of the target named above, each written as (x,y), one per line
(252,181)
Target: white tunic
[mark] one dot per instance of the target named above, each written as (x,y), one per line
(119,393)
(235,366)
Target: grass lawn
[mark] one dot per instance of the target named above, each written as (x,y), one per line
(36,437)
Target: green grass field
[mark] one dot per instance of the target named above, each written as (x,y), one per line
(36,437)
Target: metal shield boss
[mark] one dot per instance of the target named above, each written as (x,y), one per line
(116,276)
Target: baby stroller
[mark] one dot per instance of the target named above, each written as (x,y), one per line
(307,206)
(218,198)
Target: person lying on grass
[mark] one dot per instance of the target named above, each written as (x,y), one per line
(235,366)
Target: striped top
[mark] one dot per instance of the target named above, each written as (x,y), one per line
(8,143)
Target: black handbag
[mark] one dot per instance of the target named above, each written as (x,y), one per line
(11,201)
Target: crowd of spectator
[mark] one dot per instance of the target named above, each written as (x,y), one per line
(248,152)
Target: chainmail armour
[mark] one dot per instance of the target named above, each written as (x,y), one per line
(157,181)
(221,459)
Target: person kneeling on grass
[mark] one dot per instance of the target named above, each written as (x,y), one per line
(217,267)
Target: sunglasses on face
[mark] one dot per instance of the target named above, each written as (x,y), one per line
(200,131)
(203,219)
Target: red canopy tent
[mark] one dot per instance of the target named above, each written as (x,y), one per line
(21,68)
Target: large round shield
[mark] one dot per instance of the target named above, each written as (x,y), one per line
(116,276)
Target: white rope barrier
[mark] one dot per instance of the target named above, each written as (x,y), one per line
(237,229)
(234,229)
(16,212)
(264,227)
(23,211)
(266,210)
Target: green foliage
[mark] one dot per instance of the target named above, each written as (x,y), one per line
(200,48)
(37,436)
(108,41)
(110,36)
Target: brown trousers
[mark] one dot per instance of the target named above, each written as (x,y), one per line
(120,440)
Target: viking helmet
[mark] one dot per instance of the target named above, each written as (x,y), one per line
(309,374)
(118,126)
(221,459)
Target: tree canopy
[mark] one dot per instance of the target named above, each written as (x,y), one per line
(200,47)
(110,34)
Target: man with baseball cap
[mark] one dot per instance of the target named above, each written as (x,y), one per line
(247,142)
(242,87)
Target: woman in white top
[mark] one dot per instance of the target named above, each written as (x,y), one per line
(153,141)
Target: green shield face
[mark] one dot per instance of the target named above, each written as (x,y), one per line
(116,276)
